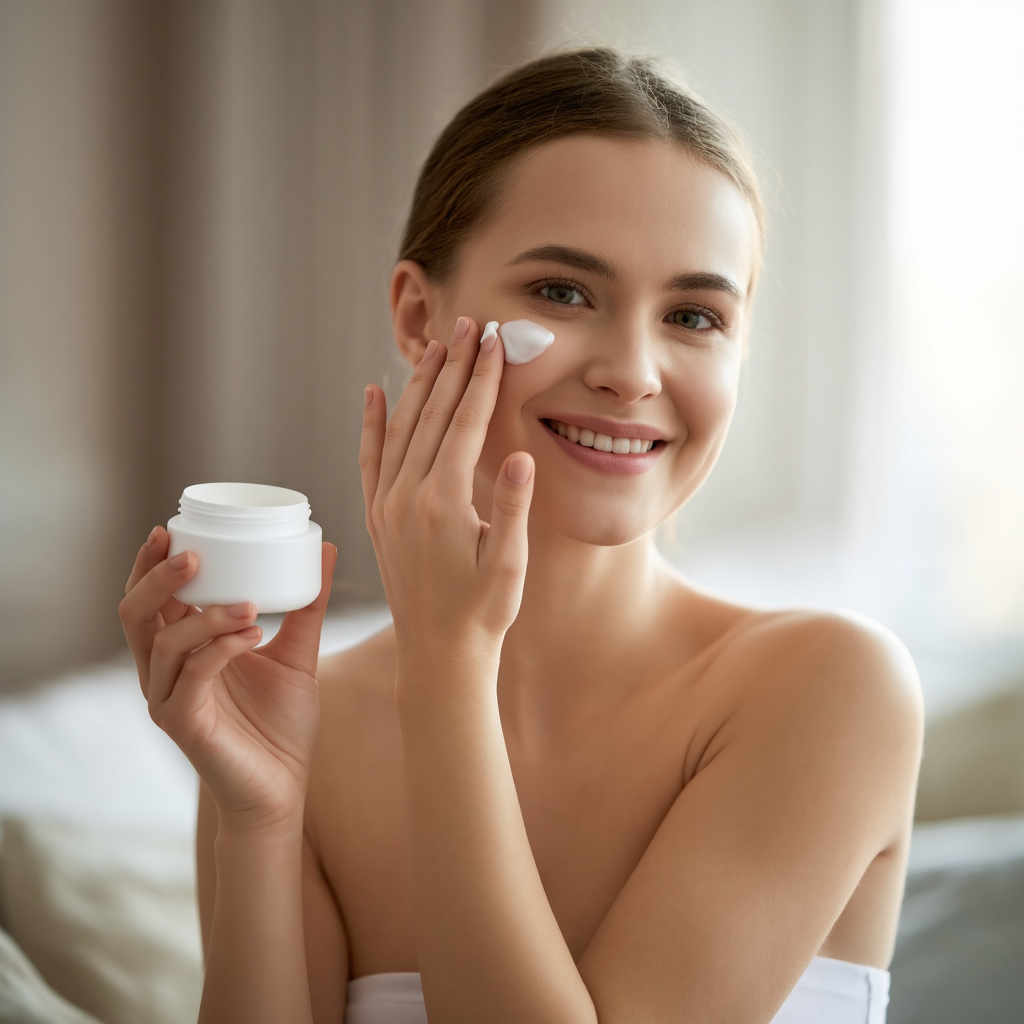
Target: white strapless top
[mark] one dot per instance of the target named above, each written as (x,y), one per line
(828,992)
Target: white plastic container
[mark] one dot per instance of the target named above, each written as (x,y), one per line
(254,543)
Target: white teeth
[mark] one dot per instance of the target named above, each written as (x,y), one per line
(601,442)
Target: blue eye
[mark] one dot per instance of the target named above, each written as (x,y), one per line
(563,294)
(690,319)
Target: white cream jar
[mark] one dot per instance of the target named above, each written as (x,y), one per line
(254,543)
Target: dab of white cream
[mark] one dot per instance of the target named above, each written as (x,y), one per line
(523,339)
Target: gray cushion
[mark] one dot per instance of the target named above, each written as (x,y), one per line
(960,948)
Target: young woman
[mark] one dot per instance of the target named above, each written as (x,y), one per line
(567,785)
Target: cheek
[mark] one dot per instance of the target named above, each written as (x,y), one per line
(706,397)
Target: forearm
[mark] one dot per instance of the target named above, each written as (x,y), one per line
(256,966)
(488,943)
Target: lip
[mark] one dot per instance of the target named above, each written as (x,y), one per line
(606,462)
(613,428)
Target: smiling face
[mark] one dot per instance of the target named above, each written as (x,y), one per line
(639,258)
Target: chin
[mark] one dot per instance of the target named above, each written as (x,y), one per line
(608,527)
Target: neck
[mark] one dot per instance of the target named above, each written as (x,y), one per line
(588,626)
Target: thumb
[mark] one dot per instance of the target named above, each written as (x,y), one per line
(297,643)
(506,544)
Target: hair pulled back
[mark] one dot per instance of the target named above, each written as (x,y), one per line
(596,91)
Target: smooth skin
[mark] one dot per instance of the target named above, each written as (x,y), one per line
(567,785)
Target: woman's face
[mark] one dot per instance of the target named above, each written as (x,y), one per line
(639,259)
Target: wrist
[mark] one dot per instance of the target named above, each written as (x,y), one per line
(467,649)
(260,830)
(435,690)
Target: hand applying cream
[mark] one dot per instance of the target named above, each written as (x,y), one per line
(523,339)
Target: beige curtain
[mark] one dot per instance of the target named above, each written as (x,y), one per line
(200,202)
(199,207)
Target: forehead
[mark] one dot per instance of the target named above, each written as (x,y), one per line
(645,206)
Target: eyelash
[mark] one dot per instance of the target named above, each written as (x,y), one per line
(717,322)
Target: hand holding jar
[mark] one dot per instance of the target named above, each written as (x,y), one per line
(247,719)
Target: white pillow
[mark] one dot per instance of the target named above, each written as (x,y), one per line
(25,998)
(108,918)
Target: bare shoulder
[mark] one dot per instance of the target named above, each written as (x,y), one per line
(825,658)
(833,693)
(359,675)
(358,720)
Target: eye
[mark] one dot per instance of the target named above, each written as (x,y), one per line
(693,320)
(563,294)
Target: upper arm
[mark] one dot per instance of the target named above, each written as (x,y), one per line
(326,944)
(808,778)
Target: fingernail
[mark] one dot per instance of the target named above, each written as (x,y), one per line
(179,561)
(250,632)
(153,534)
(518,469)
(461,328)
(489,337)
(368,396)
(429,351)
(240,611)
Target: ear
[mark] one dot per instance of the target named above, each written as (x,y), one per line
(414,308)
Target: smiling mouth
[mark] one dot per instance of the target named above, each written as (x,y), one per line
(600,442)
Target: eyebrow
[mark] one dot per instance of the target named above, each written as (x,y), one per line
(566,255)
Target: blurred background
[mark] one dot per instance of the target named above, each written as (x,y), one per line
(200,202)
(200,205)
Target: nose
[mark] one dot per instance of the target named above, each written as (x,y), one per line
(623,362)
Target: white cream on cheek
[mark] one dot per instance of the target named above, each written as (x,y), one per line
(523,339)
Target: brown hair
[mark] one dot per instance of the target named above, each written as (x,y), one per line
(597,91)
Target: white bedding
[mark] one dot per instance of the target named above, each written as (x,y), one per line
(83,749)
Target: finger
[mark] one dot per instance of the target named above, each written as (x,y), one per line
(371,445)
(461,446)
(194,680)
(174,644)
(407,413)
(297,643)
(440,407)
(152,553)
(506,547)
(141,610)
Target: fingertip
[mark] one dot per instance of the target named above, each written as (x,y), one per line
(180,562)
(489,339)
(519,468)
(372,396)
(250,633)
